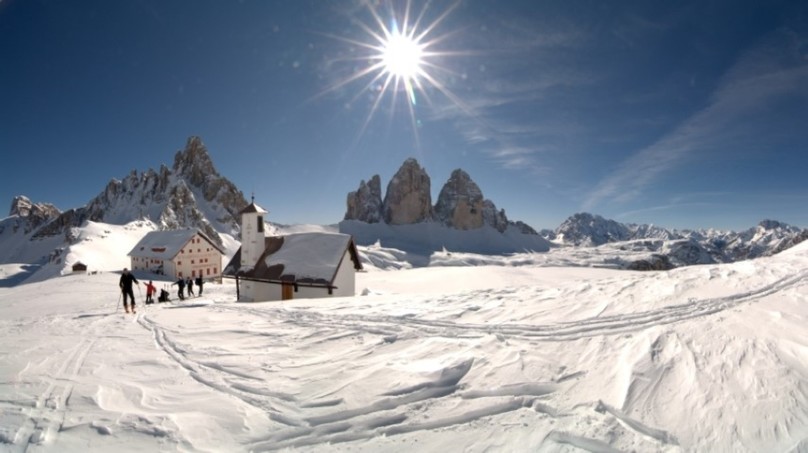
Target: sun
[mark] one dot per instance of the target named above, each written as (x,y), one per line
(400,55)
(401,58)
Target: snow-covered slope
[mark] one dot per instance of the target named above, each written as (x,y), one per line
(422,239)
(512,357)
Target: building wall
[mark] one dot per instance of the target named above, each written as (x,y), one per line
(305,292)
(345,281)
(150,265)
(169,269)
(197,258)
(262,292)
(252,238)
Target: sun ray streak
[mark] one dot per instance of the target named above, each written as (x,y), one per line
(403,58)
(437,21)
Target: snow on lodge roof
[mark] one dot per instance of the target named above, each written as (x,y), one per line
(300,258)
(166,244)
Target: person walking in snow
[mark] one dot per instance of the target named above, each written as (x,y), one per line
(190,284)
(180,288)
(125,284)
(150,290)
(199,284)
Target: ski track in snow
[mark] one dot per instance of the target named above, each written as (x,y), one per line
(395,327)
(390,413)
(270,348)
(47,416)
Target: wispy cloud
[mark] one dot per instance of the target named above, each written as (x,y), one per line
(765,74)
(482,115)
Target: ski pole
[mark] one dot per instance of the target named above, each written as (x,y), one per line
(118,307)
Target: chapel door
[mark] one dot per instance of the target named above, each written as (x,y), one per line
(287,292)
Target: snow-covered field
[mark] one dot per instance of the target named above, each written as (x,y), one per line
(507,357)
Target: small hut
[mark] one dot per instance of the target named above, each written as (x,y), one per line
(79,267)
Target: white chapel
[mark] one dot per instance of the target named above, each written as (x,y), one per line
(293,266)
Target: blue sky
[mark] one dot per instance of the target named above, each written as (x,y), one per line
(682,114)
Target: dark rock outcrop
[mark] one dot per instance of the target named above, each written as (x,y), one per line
(365,204)
(408,198)
(460,203)
(31,215)
(653,263)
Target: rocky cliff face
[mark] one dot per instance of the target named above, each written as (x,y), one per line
(29,215)
(365,203)
(408,198)
(591,230)
(461,204)
(190,195)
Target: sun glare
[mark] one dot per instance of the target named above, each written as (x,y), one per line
(400,57)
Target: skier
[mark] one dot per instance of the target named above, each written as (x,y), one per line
(180,288)
(126,288)
(150,290)
(199,284)
(190,284)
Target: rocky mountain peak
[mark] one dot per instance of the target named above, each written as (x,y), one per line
(192,195)
(773,225)
(584,228)
(365,203)
(32,215)
(460,202)
(194,163)
(408,198)
(20,206)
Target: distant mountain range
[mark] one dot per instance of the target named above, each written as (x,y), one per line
(673,248)
(462,219)
(192,194)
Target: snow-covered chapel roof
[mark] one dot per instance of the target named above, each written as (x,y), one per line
(167,244)
(299,258)
(253,208)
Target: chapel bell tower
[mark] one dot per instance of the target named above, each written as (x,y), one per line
(252,234)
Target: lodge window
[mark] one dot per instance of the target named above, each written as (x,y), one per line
(260,224)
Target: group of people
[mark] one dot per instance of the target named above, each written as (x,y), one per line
(188,285)
(128,279)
